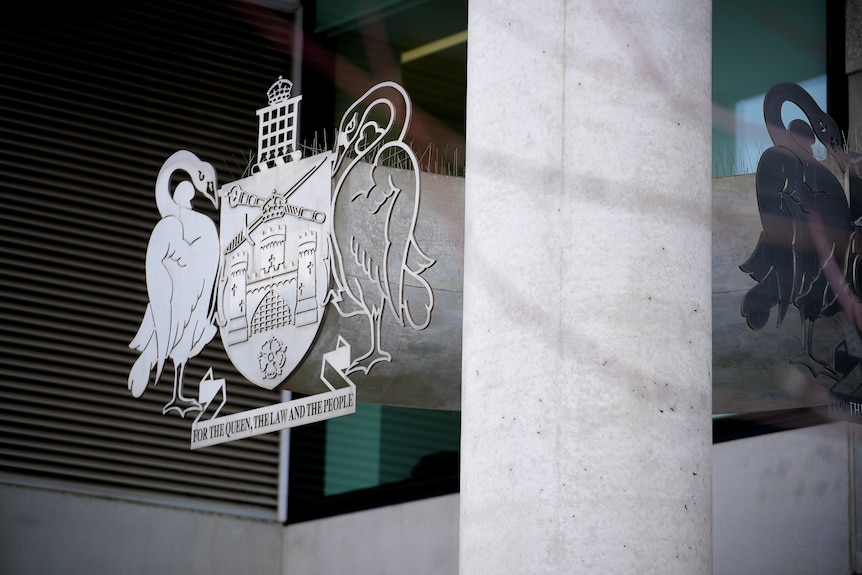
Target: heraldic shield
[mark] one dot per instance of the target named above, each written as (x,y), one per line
(274,241)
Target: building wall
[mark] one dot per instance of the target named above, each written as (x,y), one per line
(781,505)
(45,532)
(418,538)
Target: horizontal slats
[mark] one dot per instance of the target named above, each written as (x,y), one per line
(92,107)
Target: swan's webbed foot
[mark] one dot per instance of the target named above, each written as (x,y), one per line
(182,405)
(365,362)
(816,366)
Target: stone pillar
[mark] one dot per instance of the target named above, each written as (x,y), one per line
(586,401)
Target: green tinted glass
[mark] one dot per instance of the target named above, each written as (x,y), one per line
(757,45)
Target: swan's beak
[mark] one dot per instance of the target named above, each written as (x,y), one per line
(210,194)
(341,143)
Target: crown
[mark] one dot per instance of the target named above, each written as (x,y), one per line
(279,91)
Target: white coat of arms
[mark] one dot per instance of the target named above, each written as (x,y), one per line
(264,277)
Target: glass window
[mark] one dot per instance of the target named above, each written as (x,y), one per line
(384,454)
(757,45)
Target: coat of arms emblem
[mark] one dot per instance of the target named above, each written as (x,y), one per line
(295,235)
(274,245)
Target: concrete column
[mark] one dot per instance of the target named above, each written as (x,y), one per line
(586,401)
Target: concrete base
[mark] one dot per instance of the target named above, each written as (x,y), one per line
(782,503)
(419,538)
(44,532)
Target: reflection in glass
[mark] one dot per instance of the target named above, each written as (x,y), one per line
(757,45)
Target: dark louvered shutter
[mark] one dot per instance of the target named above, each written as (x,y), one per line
(94,97)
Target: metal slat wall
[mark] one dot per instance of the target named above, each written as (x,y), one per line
(95,96)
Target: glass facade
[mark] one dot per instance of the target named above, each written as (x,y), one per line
(757,45)
(386,452)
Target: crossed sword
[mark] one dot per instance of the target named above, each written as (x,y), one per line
(274,207)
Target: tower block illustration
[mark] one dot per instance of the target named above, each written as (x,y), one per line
(273,287)
(274,234)
(306,288)
(277,133)
(237,327)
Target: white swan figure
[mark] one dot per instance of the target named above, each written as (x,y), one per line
(371,269)
(182,265)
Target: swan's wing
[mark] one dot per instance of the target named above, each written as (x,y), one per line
(406,261)
(781,203)
(166,255)
(201,272)
(144,335)
(375,207)
(378,212)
